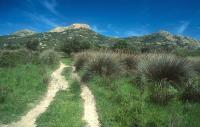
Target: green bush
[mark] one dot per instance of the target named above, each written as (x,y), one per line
(75,45)
(11,58)
(130,62)
(32,44)
(196,64)
(49,57)
(167,67)
(127,46)
(187,52)
(161,93)
(191,91)
(3,93)
(81,59)
(104,64)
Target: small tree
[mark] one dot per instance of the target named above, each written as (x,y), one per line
(74,45)
(32,44)
(121,45)
(126,46)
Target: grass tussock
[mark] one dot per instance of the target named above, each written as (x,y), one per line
(166,72)
(130,62)
(158,67)
(162,93)
(191,92)
(195,62)
(49,57)
(104,63)
(81,59)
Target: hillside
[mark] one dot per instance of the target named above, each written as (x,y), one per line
(83,32)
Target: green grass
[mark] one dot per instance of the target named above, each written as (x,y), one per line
(67,108)
(67,61)
(121,104)
(21,87)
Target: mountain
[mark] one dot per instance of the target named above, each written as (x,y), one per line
(83,32)
(73,26)
(23,33)
(166,39)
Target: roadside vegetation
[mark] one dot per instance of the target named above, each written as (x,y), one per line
(143,90)
(67,109)
(134,85)
(24,77)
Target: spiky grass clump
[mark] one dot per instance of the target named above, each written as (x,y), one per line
(195,61)
(167,67)
(191,91)
(104,64)
(81,59)
(49,57)
(130,62)
(161,93)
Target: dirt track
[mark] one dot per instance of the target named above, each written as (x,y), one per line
(57,83)
(90,112)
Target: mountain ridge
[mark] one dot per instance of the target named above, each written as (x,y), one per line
(84,32)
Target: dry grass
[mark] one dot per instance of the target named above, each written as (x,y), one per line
(168,67)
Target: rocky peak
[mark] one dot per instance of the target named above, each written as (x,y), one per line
(73,26)
(23,33)
(79,26)
(164,33)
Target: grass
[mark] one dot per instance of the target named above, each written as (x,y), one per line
(21,87)
(165,67)
(67,61)
(146,97)
(67,109)
(122,104)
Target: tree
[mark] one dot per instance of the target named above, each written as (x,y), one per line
(122,44)
(127,46)
(74,45)
(32,44)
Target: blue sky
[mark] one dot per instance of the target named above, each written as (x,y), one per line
(110,17)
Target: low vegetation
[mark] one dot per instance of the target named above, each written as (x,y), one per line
(142,90)
(20,88)
(67,109)
(158,67)
(23,80)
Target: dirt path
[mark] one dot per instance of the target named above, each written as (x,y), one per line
(57,83)
(90,112)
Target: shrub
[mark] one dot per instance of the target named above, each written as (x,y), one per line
(32,44)
(162,93)
(81,59)
(74,45)
(165,67)
(191,91)
(104,64)
(3,93)
(195,61)
(130,62)
(187,52)
(49,57)
(10,58)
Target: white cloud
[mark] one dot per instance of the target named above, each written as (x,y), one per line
(96,29)
(47,21)
(51,6)
(42,19)
(136,32)
(183,27)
